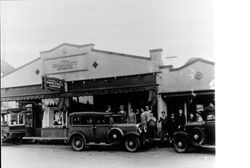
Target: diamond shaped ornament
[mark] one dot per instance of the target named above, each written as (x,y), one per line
(37,71)
(95,64)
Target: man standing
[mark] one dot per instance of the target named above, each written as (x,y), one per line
(124,113)
(181,120)
(164,128)
(147,112)
(151,126)
(131,116)
(172,126)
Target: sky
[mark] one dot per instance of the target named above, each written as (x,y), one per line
(181,28)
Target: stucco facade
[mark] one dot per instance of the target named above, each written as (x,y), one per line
(86,63)
(197,75)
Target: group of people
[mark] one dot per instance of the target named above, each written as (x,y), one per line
(143,115)
(133,116)
(170,122)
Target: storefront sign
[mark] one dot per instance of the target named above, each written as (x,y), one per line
(65,64)
(52,83)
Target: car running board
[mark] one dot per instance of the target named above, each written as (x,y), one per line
(208,146)
(98,144)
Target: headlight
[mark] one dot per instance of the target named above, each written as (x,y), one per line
(139,128)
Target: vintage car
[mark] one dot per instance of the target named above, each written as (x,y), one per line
(102,128)
(12,125)
(199,134)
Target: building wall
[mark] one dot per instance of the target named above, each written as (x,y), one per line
(25,75)
(109,65)
(76,62)
(196,76)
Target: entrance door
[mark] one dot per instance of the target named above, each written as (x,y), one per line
(102,126)
(38,117)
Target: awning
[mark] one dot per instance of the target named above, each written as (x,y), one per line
(187,93)
(32,97)
(111,90)
(81,93)
(12,110)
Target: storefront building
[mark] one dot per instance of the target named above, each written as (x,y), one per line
(71,78)
(190,87)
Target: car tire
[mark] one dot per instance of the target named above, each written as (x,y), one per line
(181,144)
(77,143)
(198,136)
(132,143)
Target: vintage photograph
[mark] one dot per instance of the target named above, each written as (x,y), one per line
(103,84)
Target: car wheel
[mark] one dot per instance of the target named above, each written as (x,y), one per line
(77,143)
(18,140)
(198,136)
(181,144)
(114,136)
(132,143)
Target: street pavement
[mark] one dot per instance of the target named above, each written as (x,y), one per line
(62,156)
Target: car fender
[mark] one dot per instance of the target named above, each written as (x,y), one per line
(131,134)
(183,134)
(77,133)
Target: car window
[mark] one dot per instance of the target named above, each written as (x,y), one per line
(102,120)
(20,118)
(119,119)
(82,120)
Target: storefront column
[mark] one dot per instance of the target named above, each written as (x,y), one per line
(185,111)
(162,106)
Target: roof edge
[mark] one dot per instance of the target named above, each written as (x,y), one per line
(192,62)
(122,54)
(68,44)
(22,67)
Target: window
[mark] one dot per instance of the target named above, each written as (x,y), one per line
(16,119)
(13,119)
(76,120)
(82,120)
(20,118)
(118,119)
(102,120)
(87,120)
(4,119)
(58,118)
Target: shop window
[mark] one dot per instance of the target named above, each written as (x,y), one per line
(54,112)
(58,118)
(82,103)
(101,120)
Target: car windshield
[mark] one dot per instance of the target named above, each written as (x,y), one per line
(118,119)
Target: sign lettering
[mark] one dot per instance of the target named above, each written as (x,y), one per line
(52,83)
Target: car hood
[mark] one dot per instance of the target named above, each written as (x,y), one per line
(125,125)
(196,123)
